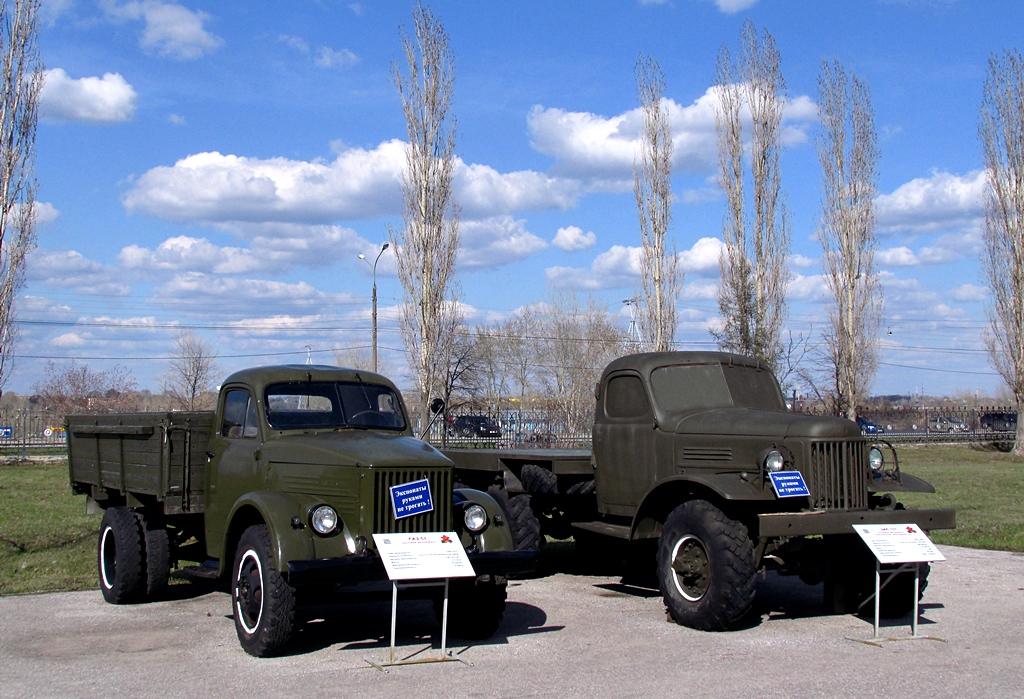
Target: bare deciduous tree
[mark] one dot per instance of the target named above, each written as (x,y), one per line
(580,340)
(427,246)
(848,152)
(1002,140)
(361,357)
(73,388)
(752,291)
(191,372)
(22,75)
(660,276)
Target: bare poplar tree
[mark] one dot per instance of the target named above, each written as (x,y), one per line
(522,346)
(427,246)
(580,340)
(660,276)
(190,373)
(1002,141)
(848,152)
(22,74)
(752,291)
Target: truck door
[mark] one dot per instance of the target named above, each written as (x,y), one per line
(624,452)
(234,464)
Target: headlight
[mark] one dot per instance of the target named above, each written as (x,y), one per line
(875,458)
(324,520)
(475,518)
(773,462)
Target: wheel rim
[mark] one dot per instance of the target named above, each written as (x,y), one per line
(108,558)
(249,591)
(691,568)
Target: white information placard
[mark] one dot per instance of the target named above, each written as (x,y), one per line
(898,543)
(423,556)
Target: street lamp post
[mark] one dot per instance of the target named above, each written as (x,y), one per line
(374,299)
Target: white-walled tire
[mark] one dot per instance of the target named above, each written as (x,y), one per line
(262,601)
(119,556)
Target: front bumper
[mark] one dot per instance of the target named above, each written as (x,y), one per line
(825,522)
(349,570)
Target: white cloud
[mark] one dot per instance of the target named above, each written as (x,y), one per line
(731,7)
(939,202)
(170,29)
(329,58)
(177,120)
(68,340)
(72,270)
(616,267)
(242,291)
(277,247)
(702,257)
(91,99)
(970,292)
(601,150)
(807,288)
(802,261)
(358,184)
(496,241)
(948,248)
(324,56)
(572,238)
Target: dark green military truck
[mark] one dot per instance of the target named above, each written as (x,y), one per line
(279,492)
(684,448)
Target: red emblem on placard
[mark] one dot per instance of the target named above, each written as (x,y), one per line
(445,539)
(911,530)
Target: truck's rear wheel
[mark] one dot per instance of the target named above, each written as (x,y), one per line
(522,522)
(262,600)
(537,479)
(706,567)
(119,556)
(475,607)
(157,555)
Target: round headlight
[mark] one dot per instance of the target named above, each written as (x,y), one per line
(875,458)
(774,462)
(475,518)
(324,520)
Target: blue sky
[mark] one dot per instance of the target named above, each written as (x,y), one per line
(220,167)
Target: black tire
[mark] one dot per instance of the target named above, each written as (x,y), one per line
(582,488)
(539,480)
(156,555)
(522,522)
(706,567)
(262,601)
(475,607)
(119,556)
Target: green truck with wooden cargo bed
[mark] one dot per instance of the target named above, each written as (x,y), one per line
(686,446)
(279,492)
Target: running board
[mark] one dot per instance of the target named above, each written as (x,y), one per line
(616,531)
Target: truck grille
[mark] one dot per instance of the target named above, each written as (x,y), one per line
(437,520)
(838,476)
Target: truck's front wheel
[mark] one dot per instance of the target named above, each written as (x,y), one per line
(262,600)
(706,567)
(120,556)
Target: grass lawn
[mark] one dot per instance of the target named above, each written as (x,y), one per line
(47,542)
(985,486)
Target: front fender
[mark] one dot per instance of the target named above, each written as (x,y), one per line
(659,500)
(496,536)
(276,510)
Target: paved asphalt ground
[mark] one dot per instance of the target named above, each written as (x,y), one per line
(567,633)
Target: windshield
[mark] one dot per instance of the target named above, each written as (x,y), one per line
(688,386)
(298,405)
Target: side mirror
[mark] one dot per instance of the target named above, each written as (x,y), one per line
(436,405)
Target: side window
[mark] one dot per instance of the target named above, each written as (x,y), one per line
(239,415)
(626,398)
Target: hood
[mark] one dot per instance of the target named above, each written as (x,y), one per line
(351,447)
(762,423)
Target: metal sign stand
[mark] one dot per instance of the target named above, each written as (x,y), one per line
(445,656)
(893,570)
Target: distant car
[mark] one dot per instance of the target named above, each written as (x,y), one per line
(999,422)
(869,426)
(947,423)
(474,426)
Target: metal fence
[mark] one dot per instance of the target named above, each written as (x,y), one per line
(30,429)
